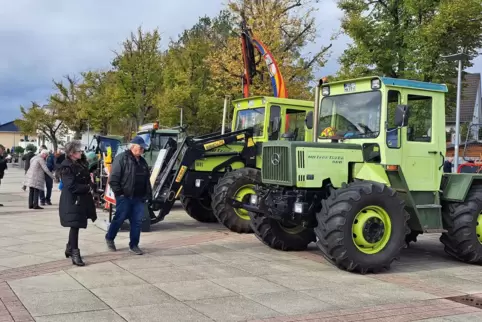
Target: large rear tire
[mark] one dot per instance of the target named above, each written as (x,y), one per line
(238,184)
(274,234)
(199,209)
(362,227)
(463,221)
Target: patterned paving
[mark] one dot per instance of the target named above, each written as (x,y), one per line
(201,272)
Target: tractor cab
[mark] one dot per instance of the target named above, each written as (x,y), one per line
(393,122)
(272,118)
(156,140)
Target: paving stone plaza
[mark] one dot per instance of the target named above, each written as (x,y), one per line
(203,272)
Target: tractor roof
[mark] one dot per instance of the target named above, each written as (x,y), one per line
(167,131)
(276,100)
(398,82)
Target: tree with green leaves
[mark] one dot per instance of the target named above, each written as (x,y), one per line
(406,38)
(69,101)
(43,122)
(285,27)
(187,80)
(139,70)
(102,100)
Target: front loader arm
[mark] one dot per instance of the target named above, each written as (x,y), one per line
(173,173)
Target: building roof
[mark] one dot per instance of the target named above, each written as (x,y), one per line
(9,127)
(470,85)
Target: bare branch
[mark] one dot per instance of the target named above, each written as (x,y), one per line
(297,4)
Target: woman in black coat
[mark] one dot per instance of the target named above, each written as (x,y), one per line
(76,200)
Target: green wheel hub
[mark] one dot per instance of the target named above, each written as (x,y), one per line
(478,228)
(242,195)
(371,230)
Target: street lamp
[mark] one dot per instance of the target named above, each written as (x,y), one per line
(457,57)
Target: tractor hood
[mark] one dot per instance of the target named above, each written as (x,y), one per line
(307,164)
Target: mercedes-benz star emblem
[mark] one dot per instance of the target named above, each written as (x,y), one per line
(275,159)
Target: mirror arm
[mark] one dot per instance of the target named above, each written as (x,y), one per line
(316,111)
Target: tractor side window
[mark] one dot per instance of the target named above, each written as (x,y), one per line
(420,121)
(393,133)
(274,121)
(295,123)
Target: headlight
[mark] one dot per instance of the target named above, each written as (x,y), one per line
(298,207)
(253,199)
(325,90)
(376,83)
(198,182)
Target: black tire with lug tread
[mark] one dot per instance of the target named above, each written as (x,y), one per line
(199,209)
(271,233)
(337,219)
(227,187)
(461,240)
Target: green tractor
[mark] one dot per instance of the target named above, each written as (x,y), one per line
(371,181)
(215,167)
(156,139)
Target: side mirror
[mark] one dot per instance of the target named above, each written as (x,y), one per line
(276,124)
(309,120)
(401,115)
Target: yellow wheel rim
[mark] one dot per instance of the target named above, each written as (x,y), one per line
(241,195)
(478,228)
(371,230)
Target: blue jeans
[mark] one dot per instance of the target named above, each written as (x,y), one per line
(127,208)
(48,185)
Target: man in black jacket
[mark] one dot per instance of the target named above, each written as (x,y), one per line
(3,164)
(129,180)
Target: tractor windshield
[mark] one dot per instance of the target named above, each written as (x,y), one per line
(351,116)
(251,118)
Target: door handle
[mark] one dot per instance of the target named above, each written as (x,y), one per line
(443,160)
(433,152)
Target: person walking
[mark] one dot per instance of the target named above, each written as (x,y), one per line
(3,165)
(27,157)
(59,158)
(76,201)
(35,178)
(49,182)
(448,165)
(129,181)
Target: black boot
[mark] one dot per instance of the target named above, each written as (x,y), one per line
(76,259)
(68,251)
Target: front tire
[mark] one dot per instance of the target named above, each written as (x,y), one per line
(199,209)
(362,227)
(463,239)
(238,184)
(274,234)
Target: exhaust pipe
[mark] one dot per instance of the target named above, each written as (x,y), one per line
(316,110)
(225,109)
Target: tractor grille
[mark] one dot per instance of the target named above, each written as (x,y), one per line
(276,164)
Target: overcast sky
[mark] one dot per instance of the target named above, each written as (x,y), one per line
(46,39)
